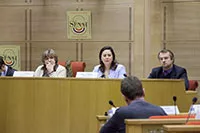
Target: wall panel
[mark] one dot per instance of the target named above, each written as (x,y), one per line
(109,22)
(12,23)
(53,2)
(183,34)
(13,2)
(183,21)
(49,23)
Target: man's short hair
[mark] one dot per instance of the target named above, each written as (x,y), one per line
(171,54)
(131,87)
(1,61)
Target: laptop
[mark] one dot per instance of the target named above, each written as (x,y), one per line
(23,74)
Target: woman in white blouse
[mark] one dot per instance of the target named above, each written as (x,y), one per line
(50,67)
(108,67)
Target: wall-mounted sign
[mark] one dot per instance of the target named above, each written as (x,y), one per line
(79,25)
(11,55)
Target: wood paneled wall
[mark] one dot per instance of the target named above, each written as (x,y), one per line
(182,33)
(136,29)
(41,24)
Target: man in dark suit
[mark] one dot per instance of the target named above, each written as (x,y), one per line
(4,69)
(138,108)
(169,70)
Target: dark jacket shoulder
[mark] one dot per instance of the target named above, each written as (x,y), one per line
(10,71)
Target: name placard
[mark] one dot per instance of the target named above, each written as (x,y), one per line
(170,110)
(86,75)
(23,74)
(195,108)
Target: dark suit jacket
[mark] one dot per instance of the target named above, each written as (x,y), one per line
(138,109)
(176,73)
(10,71)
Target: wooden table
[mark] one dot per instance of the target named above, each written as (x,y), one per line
(181,128)
(149,125)
(69,105)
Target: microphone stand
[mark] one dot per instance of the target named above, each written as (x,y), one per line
(175,108)
(174,99)
(191,107)
(194,100)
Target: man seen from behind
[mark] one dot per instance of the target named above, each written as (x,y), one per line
(138,108)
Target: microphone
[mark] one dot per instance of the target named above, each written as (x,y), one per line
(174,99)
(111,103)
(106,114)
(125,75)
(194,100)
(103,76)
(112,110)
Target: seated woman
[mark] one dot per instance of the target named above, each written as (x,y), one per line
(108,67)
(50,67)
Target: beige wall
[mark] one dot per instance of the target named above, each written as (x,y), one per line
(183,34)
(38,25)
(136,29)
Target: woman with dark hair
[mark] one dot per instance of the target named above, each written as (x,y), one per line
(108,67)
(50,67)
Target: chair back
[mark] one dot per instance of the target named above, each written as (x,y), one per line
(77,66)
(193,84)
(73,67)
(62,63)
